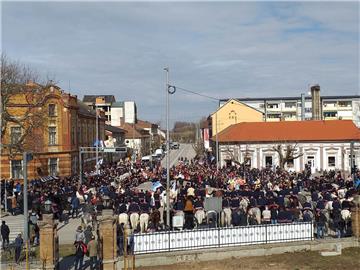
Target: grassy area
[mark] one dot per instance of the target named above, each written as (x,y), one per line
(311,260)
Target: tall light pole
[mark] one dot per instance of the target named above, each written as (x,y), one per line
(217,142)
(97,139)
(167,151)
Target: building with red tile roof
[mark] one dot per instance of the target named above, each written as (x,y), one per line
(323,145)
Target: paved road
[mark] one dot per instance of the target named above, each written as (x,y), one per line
(66,232)
(185,150)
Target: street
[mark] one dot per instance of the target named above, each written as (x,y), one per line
(185,151)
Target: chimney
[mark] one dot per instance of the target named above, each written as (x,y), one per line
(316,102)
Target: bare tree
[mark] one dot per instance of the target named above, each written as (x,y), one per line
(199,148)
(25,112)
(286,153)
(230,153)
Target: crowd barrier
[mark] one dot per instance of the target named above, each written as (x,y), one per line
(221,237)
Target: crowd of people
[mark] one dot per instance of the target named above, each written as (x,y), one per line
(137,194)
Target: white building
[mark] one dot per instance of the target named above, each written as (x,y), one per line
(123,112)
(323,145)
(289,108)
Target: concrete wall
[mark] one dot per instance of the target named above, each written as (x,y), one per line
(116,115)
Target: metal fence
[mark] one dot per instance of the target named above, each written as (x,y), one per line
(221,237)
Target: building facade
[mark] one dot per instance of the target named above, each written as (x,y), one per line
(289,108)
(66,124)
(233,112)
(102,102)
(322,145)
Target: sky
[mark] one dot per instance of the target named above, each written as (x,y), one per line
(219,49)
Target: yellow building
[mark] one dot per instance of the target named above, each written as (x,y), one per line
(233,112)
(52,125)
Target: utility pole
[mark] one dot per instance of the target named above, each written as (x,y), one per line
(97,140)
(167,151)
(217,142)
(26,157)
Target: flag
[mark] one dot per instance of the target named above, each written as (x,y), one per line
(156,185)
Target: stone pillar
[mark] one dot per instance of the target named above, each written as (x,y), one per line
(107,234)
(49,243)
(355,216)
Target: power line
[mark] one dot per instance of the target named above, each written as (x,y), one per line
(196,93)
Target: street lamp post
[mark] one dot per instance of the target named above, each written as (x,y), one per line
(167,151)
(217,143)
(97,139)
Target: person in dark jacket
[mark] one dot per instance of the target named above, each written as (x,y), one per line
(75,204)
(79,255)
(320,224)
(5,232)
(88,234)
(18,247)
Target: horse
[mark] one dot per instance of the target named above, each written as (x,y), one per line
(256,212)
(244,203)
(134,220)
(225,217)
(155,218)
(144,221)
(200,216)
(124,219)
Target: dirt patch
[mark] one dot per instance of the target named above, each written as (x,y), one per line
(309,260)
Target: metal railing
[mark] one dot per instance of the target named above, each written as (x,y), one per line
(221,237)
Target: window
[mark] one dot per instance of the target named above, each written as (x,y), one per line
(53,165)
(52,110)
(16,169)
(268,161)
(15,134)
(344,103)
(330,114)
(290,104)
(273,106)
(52,135)
(311,161)
(290,163)
(354,163)
(331,161)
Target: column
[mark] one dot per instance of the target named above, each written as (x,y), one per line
(321,157)
(49,243)
(355,216)
(107,239)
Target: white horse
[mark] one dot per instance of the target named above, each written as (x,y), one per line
(200,216)
(244,203)
(225,217)
(124,219)
(144,221)
(134,220)
(255,211)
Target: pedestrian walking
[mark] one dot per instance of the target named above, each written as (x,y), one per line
(75,204)
(5,232)
(18,247)
(79,255)
(92,251)
(79,235)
